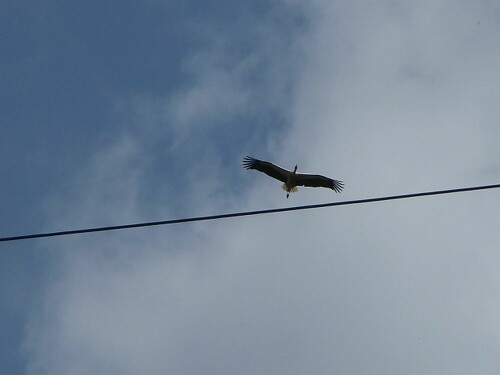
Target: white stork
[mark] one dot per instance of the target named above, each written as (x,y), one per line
(292,179)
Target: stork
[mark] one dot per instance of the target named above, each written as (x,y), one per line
(292,179)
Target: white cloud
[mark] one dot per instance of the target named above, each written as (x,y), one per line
(392,99)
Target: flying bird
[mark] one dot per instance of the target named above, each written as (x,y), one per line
(292,179)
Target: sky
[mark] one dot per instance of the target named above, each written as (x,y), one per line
(120,112)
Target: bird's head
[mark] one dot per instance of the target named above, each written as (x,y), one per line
(295,170)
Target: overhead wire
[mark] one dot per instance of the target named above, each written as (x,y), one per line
(244,213)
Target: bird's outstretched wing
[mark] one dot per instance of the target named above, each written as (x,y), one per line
(268,168)
(316,180)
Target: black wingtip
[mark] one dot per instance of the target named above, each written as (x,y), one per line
(338,186)
(248,162)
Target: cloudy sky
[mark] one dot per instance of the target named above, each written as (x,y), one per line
(119,112)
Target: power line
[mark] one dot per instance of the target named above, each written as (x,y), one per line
(247,213)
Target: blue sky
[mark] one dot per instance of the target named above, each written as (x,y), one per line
(127,111)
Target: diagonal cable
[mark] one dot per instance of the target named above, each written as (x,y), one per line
(245,213)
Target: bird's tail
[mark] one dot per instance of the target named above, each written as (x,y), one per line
(292,190)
